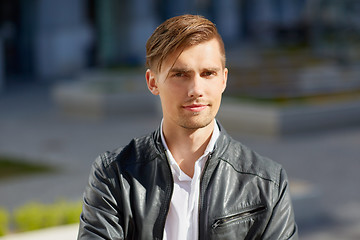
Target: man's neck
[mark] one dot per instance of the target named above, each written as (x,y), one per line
(187,145)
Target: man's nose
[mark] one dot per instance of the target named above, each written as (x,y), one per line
(196,87)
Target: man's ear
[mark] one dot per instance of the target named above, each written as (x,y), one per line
(151,82)
(226,71)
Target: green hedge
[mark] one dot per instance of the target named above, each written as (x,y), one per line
(33,216)
(4,221)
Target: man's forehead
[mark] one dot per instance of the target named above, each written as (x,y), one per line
(183,65)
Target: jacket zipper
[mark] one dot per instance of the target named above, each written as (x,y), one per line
(238,216)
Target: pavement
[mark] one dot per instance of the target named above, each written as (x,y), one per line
(67,232)
(33,128)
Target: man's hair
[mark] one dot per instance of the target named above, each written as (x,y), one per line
(178,33)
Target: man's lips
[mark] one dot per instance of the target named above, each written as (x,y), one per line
(195,107)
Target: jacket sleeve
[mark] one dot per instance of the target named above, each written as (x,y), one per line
(282,222)
(100,214)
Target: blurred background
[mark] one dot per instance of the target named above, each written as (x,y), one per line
(72,86)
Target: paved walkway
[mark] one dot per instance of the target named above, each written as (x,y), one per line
(32,127)
(68,232)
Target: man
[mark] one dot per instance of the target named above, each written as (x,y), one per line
(189,179)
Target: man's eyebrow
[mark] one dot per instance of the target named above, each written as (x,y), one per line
(212,69)
(183,70)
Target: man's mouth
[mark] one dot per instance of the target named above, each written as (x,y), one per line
(195,107)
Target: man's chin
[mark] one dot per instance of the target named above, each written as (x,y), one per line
(196,124)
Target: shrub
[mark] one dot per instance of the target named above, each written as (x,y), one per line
(31,216)
(4,222)
(11,167)
(34,216)
(72,212)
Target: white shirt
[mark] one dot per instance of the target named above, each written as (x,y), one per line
(182,219)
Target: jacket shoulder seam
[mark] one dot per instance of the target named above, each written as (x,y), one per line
(109,157)
(251,173)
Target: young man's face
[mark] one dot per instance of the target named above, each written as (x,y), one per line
(190,85)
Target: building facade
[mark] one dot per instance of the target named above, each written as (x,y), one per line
(44,40)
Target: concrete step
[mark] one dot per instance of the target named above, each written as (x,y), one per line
(280,120)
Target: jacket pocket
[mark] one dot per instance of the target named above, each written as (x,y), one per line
(238,216)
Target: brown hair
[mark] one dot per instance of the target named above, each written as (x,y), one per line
(181,31)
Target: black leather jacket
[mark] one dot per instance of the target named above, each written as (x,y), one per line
(242,194)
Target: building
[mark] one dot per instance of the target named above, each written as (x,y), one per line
(44,40)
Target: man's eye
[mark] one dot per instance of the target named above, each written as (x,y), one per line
(208,74)
(179,74)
